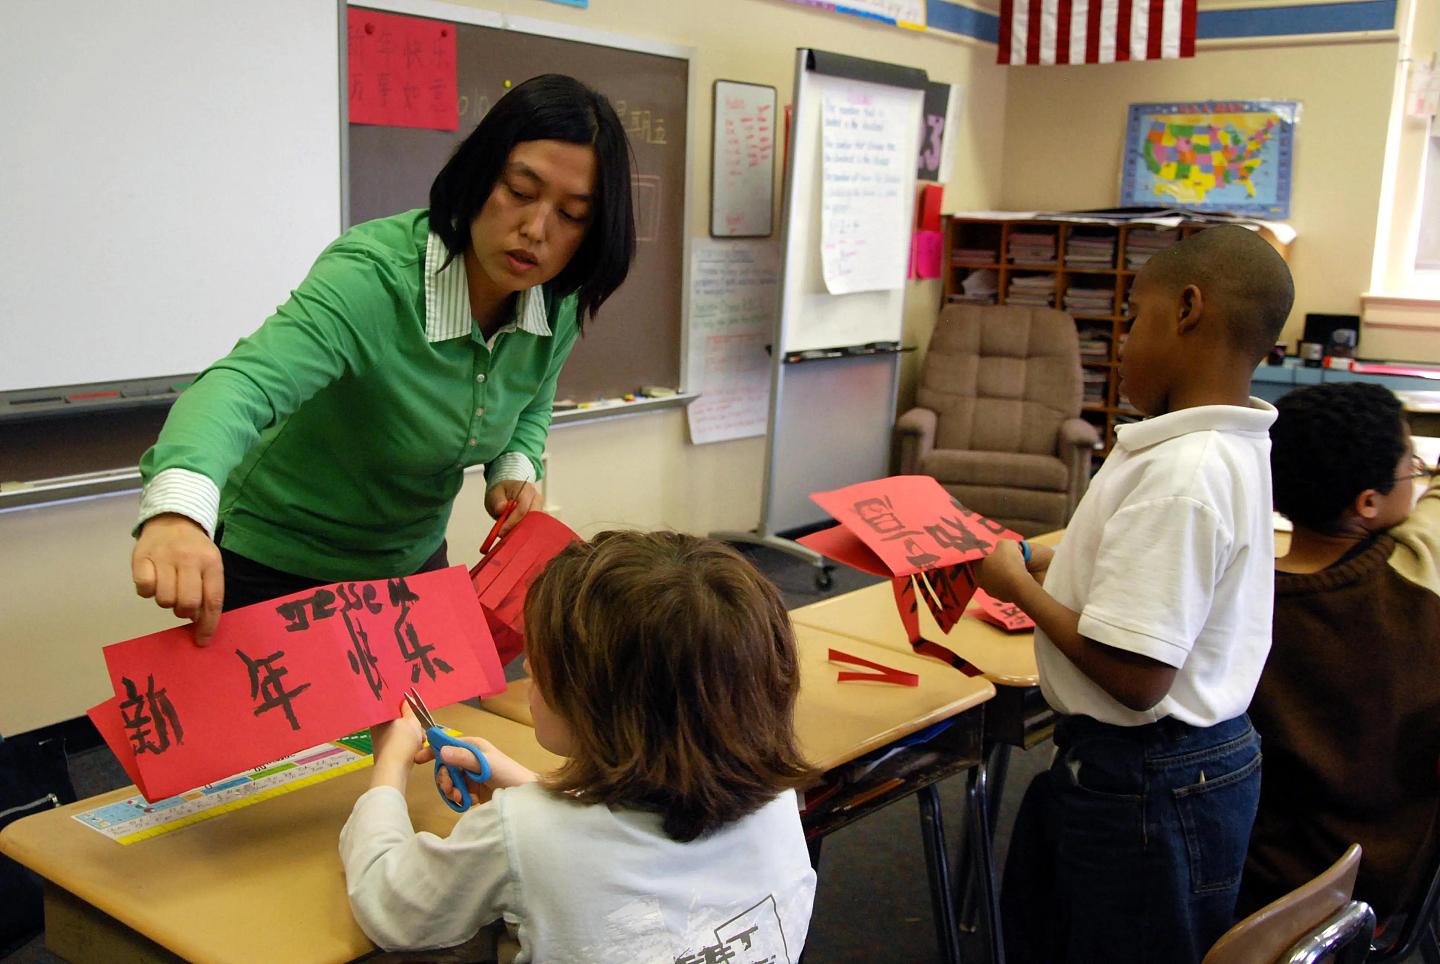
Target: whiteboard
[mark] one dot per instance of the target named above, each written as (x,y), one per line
(811,317)
(742,188)
(170,171)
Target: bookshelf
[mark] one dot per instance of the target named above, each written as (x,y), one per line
(1083,268)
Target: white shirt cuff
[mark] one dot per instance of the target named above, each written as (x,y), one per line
(510,467)
(183,492)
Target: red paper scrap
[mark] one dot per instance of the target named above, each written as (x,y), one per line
(1007,616)
(882,674)
(907,604)
(910,523)
(402,71)
(502,578)
(287,674)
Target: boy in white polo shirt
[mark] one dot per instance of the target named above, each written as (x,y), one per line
(1153,624)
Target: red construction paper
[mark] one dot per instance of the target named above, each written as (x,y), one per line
(882,674)
(502,578)
(286,674)
(907,604)
(402,71)
(911,524)
(1007,616)
(927,248)
(949,593)
(931,197)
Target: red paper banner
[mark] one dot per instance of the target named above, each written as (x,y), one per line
(910,523)
(287,674)
(1007,616)
(402,71)
(502,578)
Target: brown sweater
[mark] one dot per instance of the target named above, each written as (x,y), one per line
(1348,709)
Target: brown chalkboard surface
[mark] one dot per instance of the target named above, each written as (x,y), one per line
(635,338)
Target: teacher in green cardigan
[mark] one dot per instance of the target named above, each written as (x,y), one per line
(329,445)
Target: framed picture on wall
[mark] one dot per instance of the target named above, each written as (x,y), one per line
(1233,156)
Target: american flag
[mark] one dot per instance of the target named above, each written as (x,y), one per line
(1095,31)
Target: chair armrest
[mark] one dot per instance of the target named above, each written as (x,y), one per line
(1076,441)
(915,431)
(1076,433)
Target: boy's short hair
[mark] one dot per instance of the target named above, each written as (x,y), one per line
(557,108)
(1331,442)
(1240,275)
(673,663)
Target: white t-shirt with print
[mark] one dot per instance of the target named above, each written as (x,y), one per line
(1171,555)
(581,882)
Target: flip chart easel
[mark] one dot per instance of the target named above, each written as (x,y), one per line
(834,368)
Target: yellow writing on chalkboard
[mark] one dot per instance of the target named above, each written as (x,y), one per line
(641,123)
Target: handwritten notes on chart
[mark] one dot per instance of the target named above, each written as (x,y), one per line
(742,201)
(401,71)
(284,675)
(867,175)
(734,300)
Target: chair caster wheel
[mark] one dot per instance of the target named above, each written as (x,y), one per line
(823,579)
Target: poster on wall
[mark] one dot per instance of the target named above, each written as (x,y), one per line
(1233,156)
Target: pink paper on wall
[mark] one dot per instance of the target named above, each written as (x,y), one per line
(928,245)
(502,578)
(401,71)
(290,673)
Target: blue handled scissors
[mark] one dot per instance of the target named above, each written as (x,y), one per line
(436,736)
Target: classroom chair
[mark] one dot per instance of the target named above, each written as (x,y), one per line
(997,416)
(1315,920)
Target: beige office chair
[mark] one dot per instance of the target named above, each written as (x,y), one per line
(1315,921)
(997,416)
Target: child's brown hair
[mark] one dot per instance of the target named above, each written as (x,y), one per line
(673,663)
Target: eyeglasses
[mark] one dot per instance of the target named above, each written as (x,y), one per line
(1418,470)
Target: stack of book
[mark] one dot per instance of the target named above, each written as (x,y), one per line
(979,288)
(1143,245)
(1092,381)
(1036,291)
(973,256)
(1094,345)
(1096,252)
(1090,301)
(1034,248)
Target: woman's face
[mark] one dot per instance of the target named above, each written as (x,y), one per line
(536,216)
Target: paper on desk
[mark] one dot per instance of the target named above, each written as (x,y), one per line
(287,674)
(1007,616)
(502,578)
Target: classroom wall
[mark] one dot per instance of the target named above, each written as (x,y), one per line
(1065,129)
(64,570)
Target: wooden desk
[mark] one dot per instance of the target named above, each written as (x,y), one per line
(263,883)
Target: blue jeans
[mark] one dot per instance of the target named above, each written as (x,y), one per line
(1130,847)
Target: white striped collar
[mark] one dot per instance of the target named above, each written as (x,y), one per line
(447,299)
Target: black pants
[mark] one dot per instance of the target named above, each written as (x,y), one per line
(248,582)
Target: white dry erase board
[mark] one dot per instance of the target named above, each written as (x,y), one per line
(742,187)
(812,317)
(171,170)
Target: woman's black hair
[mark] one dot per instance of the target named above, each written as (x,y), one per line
(548,107)
(1331,442)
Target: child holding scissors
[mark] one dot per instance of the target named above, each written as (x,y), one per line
(665,672)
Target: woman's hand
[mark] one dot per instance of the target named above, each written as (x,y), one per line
(396,746)
(504,771)
(179,565)
(499,495)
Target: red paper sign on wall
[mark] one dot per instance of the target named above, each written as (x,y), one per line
(287,674)
(401,71)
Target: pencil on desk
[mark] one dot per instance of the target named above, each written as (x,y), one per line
(871,794)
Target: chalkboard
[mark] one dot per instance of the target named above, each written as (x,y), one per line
(636,337)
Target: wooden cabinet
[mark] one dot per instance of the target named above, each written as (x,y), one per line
(1084,269)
